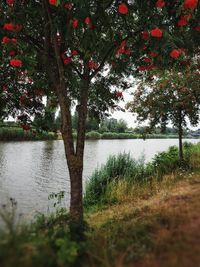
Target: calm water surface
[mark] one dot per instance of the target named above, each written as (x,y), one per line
(30,171)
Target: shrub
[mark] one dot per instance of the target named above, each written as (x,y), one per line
(124,168)
(48,241)
(93,135)
(117,167)
(13,133)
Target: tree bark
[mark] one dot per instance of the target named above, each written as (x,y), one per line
(74,158)
(180,136)
(76,170)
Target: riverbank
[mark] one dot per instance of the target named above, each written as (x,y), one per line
(112,136)
(16,133)
(157,227)
(141,223)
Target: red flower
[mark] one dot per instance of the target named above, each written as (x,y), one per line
(13,41)
(197,28)
(15,62)
(87,20)
(12,27)
(67,60)
(53,2)
(147,60)
(160,3)
(92,65)
(11,53)
(18,27)
(182,21)
(145,35)
(30,80)
(175,53)
(190,4)
(118,94)
(150,67)
(123,9)
(74,23)
(10,2)
(121,49)
(5,40)
(153,54)
(142,68)
(74,53)
(156,33)
(9,27)
(128,52)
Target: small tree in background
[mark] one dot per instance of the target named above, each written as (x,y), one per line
(170,96)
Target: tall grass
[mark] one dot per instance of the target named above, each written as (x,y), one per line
(18,134)
(123,168)
(93,135)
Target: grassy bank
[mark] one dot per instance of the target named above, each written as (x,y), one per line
(16,133)
(93,135)
(124,171)
(137,215)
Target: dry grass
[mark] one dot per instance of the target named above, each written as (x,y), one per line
(150,226)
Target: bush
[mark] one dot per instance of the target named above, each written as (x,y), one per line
(14,133)
(46,242)
(117,167)
(124,168)
(93,135)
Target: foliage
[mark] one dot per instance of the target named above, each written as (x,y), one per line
(18,134)
(21,245)
(93,135)
(113,125)
(117,167)
(168,96)
(123,167)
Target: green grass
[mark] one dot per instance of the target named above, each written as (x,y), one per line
(123,167)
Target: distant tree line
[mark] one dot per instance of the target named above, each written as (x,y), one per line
(50,121)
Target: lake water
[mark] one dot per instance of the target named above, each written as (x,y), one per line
(30,171)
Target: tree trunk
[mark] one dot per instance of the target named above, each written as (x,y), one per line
(180,136)
(76,200)
(74,158)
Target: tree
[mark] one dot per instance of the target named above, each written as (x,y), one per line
(78,51)
(121,126)
(170,96)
